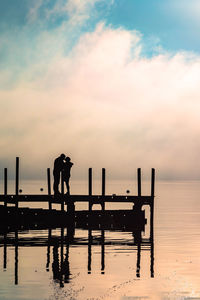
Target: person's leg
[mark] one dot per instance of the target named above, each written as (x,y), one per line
(67,185)
(56,182)
(68,191)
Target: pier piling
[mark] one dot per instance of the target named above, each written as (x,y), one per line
(5,185)
(152,181)
(49,187)
(90,186)
(103,186)
(17,181)
(62,189)
(139,181)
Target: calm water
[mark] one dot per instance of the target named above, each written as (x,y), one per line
(111,271)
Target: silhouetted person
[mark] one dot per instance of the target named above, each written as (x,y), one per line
(66,173)
(58,167)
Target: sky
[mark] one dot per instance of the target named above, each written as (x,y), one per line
(110,83)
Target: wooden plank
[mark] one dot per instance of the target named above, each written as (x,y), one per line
(77,198)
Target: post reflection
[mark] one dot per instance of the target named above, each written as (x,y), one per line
(5,252)
(16,257)
(58,249)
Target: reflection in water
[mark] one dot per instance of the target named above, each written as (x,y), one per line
(5,251)
(59,247)
(16,257)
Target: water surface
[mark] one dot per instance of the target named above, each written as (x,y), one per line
(176,256)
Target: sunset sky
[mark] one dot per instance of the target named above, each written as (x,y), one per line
(111,83)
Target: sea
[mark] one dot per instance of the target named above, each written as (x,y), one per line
(166,268)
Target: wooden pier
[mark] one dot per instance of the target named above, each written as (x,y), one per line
(12,215)
(18,219)
(138,200)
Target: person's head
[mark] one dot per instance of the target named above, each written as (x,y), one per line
(62,156)
(67,159)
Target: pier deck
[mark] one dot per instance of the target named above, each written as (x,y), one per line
(94,199)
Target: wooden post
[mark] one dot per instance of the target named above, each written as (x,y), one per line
(17,181)
(5,186)
(49,187)
(152,182)
(90,181)
(62,191)
(152,221)
(139,181)
(103,187)
(90,187)
(152,203)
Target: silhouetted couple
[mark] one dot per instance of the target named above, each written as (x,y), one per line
(62,164)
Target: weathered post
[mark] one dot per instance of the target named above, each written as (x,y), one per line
(90,187)
(5,186)
(49,187)
(17,182)
(152,202)
(139,181)
(152,182)
(103,187)
(62,190)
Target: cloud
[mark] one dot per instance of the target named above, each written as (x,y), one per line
(105,105)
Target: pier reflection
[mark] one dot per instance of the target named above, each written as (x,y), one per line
(58,249)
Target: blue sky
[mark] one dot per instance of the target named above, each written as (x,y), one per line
(116,80)
(165,26)
(172,24)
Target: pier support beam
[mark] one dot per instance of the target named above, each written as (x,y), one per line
(17,181)
(139,181)
(103,187)
(49,187)
(5,186)
(90,187)
(152,202)
(62,190)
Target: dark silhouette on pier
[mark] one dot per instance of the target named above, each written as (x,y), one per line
(15,219)
(66,173)
(58,167)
